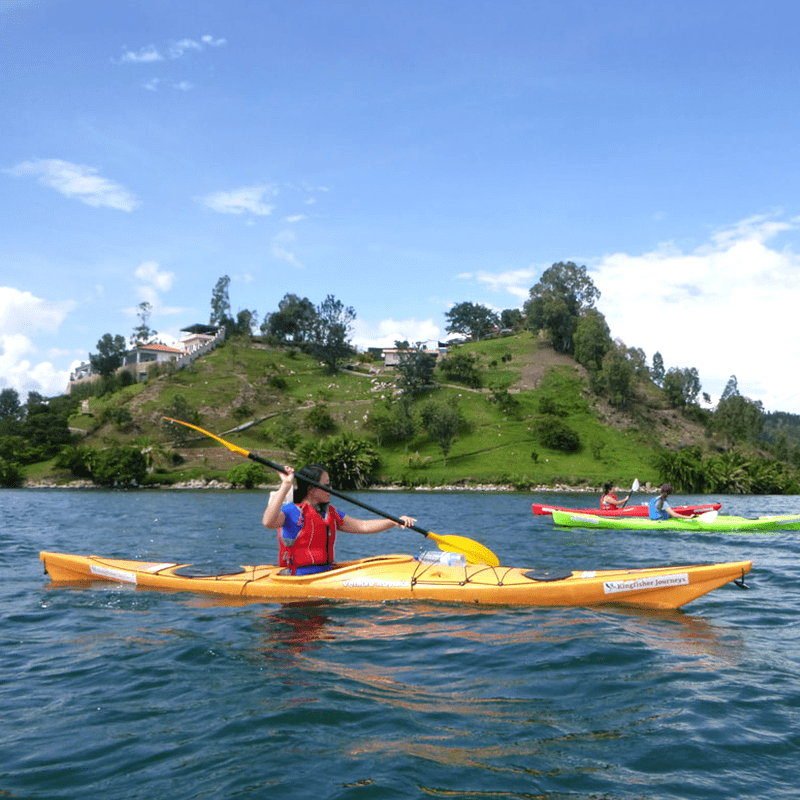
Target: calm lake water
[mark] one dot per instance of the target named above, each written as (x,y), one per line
(123,693)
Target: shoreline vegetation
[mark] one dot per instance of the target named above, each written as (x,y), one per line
(518,418)
(213,484)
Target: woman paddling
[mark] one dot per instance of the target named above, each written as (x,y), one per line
(308,523)
(608,501)
(660,508)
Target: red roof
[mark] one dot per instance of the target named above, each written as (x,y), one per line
(162,348)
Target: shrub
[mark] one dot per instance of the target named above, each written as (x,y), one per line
(247,475)
(320,420)
(77,459)
(10,474)
(351,462)
(463,368)
(557,435)
(120,467)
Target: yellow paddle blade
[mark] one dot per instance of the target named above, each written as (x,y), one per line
(232,447)
(475,552)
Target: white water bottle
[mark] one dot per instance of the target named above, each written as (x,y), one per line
(443,557)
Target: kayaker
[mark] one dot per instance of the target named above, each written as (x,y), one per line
(660,508)
(308,523)
(608,501)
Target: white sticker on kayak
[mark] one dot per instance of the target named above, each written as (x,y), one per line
(361,583)
(121,575)
(653,582)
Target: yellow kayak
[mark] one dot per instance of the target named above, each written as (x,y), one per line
(403,577)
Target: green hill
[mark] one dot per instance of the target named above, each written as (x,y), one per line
(533,422)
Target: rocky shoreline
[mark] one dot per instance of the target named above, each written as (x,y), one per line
(212,484)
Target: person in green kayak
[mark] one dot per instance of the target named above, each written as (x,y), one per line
(307,524)
(609,502)
(660,508)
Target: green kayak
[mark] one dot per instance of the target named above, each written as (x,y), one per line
(709,521)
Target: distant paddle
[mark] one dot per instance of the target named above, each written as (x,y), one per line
(475,552)
(707,516)
(634,488)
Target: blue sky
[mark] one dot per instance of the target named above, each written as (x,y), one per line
(403,156)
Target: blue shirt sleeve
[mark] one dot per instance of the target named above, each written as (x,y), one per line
(292,523)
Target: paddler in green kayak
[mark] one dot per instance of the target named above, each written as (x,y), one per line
(660,508)
(308,523)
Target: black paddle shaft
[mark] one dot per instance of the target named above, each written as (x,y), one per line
(349,499)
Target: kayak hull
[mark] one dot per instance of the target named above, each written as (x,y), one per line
(402,577)
(542,509)
(783,522)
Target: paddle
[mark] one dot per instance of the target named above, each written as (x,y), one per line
(634,488)
(475,552)
(707,516)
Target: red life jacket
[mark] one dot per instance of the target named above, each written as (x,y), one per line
(608,506)
(315,541)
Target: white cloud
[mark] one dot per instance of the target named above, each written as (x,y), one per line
(246,200)
(726,308)
(148,271)
(77,180)
(279,247)
(21,312)
(22,316)
(172,50)
(145,55)
(515,282)
(385,332)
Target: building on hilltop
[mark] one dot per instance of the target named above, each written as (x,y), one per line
(138,359)
(198,339)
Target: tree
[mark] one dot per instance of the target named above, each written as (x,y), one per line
(682,386)
(110,350)
(142,333)
(442,422)
(415,368)
(511,318)
(462,367)
(330,339)
(657,372)
(11,412)
(617,376)
(46,429)
(293,322)
(245,323)
(181,409)
(391,422)
(564,293)
(738,418)
(471,319)
(221,304)
(592,340)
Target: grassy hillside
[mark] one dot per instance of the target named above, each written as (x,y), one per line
(261,399)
